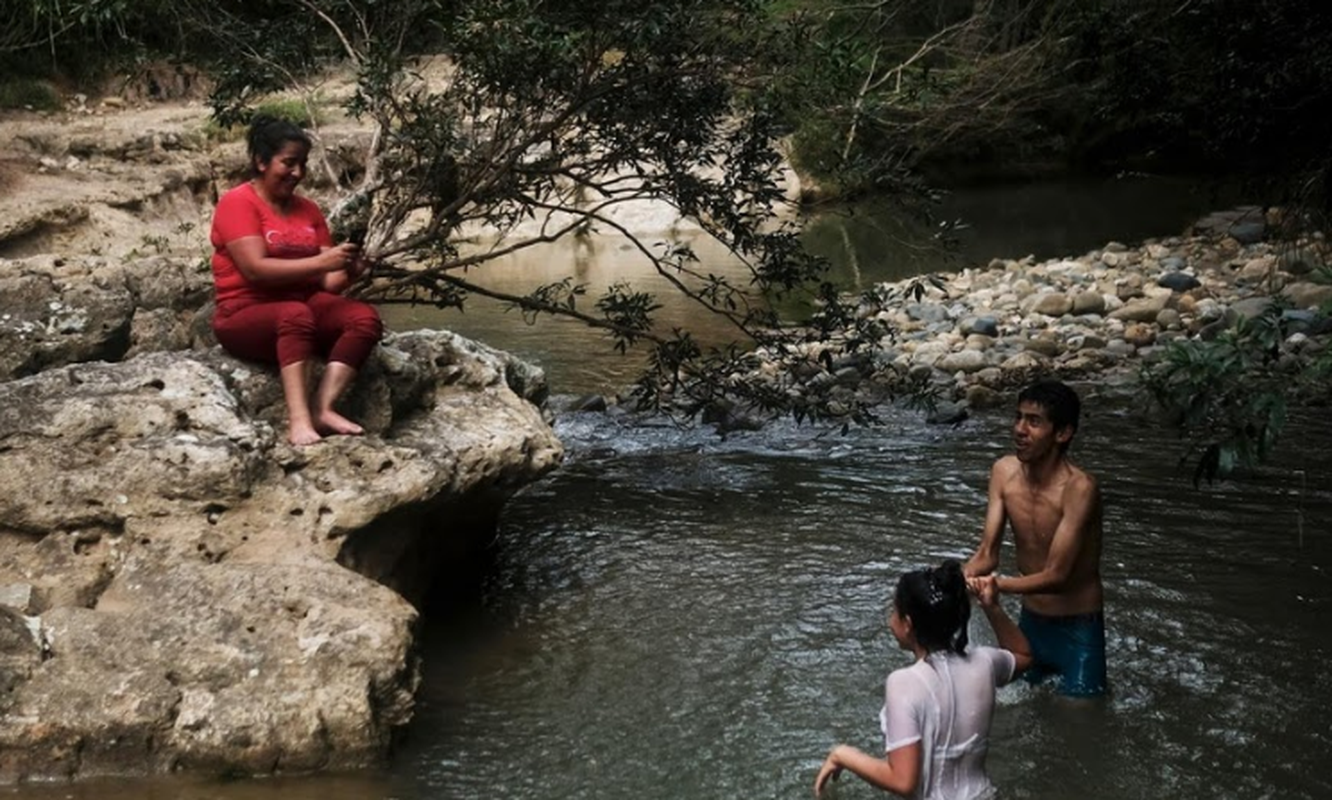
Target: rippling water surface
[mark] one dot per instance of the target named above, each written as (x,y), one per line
(678,616)
(674,615)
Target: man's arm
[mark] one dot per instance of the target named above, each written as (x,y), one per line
(1081,500)
(986,558)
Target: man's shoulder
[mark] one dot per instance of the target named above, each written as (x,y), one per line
(1080,479)
(1006,466)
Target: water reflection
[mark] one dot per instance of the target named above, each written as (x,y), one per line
(876,241)
(583,357)
(871,243)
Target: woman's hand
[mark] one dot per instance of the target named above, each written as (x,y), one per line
(359,266)
(831,768)
(338,257)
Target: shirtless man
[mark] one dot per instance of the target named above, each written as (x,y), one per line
(1054,508)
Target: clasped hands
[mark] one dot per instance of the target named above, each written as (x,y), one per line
(985,588)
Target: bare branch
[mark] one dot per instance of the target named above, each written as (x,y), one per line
(352,53)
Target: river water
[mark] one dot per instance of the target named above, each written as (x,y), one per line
(673,615)
(676,615)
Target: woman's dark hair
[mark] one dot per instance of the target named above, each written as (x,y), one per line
(268,135)
(936,602)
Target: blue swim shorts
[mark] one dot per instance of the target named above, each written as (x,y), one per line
(1072,647)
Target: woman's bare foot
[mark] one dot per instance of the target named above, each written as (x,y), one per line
(301,435)
(331,422)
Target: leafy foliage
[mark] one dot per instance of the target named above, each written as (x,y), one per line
(525,122)
(28,93)
(82,37)
(890,88)
(1205,82)
(887,88)
(1229,396)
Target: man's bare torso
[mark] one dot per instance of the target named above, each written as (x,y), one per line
(1034,513)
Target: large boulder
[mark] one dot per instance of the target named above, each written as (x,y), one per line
(195,593)
(56,311)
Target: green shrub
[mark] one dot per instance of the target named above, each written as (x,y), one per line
(296,111)
(28,93)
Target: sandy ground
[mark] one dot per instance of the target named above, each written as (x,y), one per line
(100,183)
(113,177)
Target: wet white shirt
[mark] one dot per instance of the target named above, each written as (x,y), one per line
(945,702)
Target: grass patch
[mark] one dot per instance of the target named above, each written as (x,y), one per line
(28,93)
(304,115)
(293,111)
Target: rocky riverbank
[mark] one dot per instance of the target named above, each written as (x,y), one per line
(181,590)
(974,335)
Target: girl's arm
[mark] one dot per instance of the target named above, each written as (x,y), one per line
(898,771)
(1006,632)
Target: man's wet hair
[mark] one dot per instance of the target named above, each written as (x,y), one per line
(1059,402)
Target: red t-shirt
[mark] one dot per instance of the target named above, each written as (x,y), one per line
(300,233)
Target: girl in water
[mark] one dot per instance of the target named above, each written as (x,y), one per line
(936,712)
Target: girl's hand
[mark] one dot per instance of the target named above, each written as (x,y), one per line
(828,772)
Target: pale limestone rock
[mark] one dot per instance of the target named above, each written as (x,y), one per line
(965,361)
(1305,294)
(1052,304)
(1088,303)
(1143,309)
(214,599)
(1257,269)
(1045,345)
(1169,319)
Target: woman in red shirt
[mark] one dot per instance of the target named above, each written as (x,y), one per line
(279,279)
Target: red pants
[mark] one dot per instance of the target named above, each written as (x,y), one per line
(288,331)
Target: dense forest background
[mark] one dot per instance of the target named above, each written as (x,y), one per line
(875,96)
